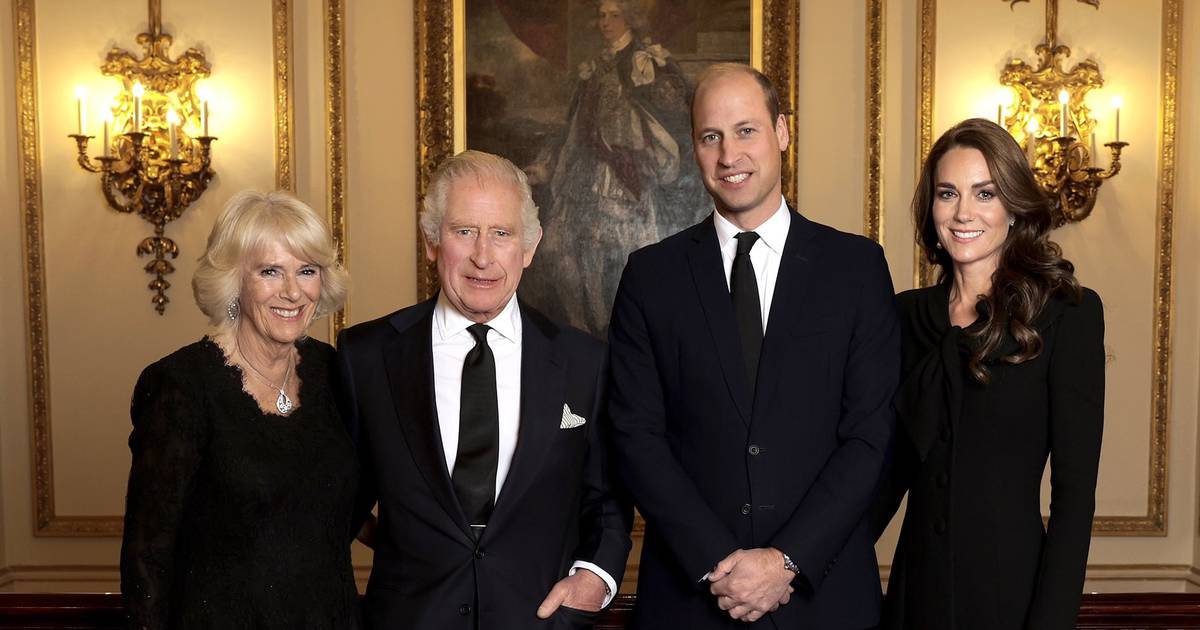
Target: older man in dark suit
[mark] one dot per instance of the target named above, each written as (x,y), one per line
(754,357)
(479,424)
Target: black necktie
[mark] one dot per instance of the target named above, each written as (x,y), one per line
(478,432)
(743,287)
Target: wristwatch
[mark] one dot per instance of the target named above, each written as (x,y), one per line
(789,565)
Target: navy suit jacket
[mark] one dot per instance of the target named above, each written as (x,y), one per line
(556,505)
(793,464)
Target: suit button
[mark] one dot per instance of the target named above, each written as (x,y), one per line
(479,554)
(746,508)
(464,610)
(942,480)
(754,449)
(940,526)
(944,434)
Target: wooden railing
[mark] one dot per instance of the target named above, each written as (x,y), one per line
(102,611)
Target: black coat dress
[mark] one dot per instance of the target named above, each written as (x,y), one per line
(973,553)
(236,518)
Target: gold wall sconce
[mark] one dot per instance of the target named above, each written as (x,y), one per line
(156,152)
(1049,116)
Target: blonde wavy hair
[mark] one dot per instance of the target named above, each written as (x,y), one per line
(250,220)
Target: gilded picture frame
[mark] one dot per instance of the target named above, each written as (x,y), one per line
(449,33)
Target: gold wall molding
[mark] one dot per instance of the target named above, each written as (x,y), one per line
(780,51)
(335,139)
(876,58)
(1154,521)
(46,521)
(926,71)
(285,140)
(433,26)
(440,42)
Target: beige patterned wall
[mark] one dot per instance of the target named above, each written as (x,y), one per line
(101,330)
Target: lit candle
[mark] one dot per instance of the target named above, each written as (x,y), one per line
(202,92)
(108,118)
(138,91)
(173,123)
(1063,98)
(1031,129)
(1116,103)
(81,109)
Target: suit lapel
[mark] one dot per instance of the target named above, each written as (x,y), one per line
(409,363)
(543,393)
(787,301)
(708,274)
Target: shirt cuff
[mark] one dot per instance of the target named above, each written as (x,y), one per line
(608,581)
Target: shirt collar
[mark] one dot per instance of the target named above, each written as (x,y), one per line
(622,42)
(773,232)
(448,322)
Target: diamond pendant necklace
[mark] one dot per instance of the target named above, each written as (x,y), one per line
(283,403)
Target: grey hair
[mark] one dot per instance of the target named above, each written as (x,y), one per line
(250,220)
(483,167)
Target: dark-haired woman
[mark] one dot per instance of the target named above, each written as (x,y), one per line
(1003,367)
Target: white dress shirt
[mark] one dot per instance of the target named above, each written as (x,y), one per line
(451,344)
(765,254)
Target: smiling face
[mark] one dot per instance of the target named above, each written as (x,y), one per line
(480,256)
(279,294)
(738,147)
(611,22)
(971,221)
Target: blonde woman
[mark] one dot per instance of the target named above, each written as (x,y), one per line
(240,494)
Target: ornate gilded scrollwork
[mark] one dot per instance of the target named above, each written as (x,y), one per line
(159,160)
(1051,119)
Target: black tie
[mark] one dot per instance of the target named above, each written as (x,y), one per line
(478,432)
(744,289)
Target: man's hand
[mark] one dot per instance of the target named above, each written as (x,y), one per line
(582,591)
(750,583)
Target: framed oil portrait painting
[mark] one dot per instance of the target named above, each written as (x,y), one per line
(591,99)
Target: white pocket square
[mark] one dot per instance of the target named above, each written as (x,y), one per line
(570,420)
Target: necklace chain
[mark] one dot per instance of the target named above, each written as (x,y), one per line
(283,403)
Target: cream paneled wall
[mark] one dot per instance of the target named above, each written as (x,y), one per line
(102,329)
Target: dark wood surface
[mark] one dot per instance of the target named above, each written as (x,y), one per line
(102,611)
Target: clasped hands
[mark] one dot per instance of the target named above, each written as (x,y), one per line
(750,583)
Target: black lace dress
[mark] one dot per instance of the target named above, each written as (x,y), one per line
(236,518)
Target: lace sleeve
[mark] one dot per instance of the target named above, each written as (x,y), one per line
(167,443)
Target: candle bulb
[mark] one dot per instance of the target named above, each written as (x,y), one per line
(1000,114)
(1095,154)
(1063,98)
(108,117)
(173,124)
(202,92)
(81,109)
(1116,103)
(1031,139)
(138,91)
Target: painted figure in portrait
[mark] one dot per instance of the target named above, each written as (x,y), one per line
(607,146)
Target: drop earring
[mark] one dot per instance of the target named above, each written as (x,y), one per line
(233,310)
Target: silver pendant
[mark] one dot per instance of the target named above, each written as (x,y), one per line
(283,403)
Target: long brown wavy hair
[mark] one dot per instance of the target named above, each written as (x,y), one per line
(1031,267)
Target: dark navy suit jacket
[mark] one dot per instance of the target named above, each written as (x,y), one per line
(794,464)
(556,505)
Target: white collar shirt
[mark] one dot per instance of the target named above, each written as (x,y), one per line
(765,255)
(451,344)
